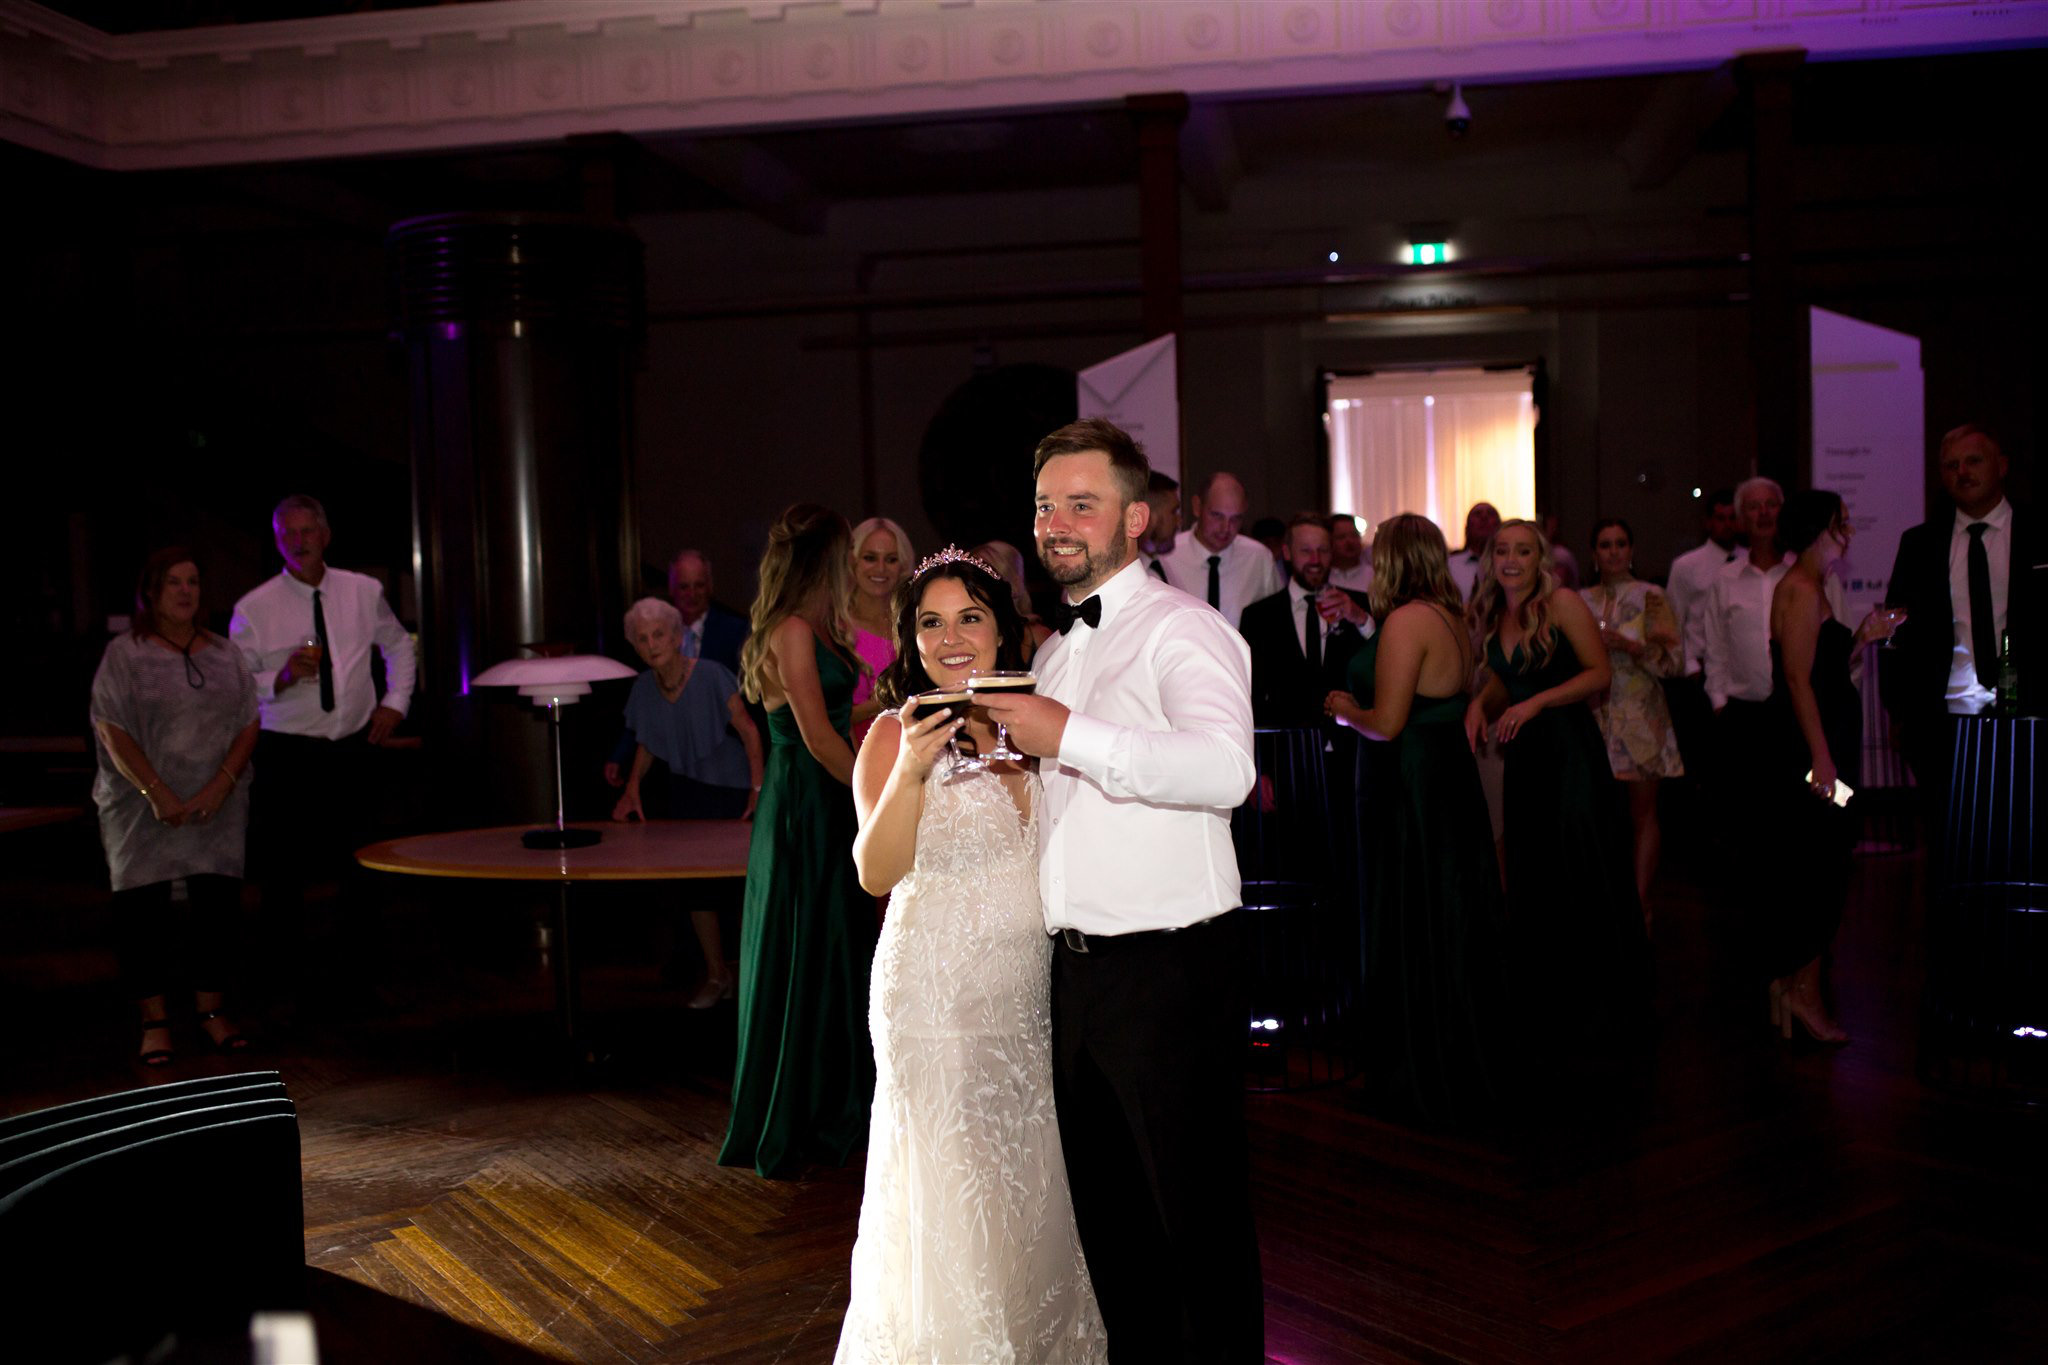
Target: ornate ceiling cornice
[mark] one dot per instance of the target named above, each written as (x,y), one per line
(521,70)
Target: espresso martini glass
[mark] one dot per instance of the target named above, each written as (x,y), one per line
(956,700)
(1002,680)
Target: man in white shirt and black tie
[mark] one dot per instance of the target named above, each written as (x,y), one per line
(1964,578)
(1691,578)
(306,636)
(1143,720)
(1227,570)
(1162,529)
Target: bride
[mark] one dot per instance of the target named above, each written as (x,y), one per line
(967,1249)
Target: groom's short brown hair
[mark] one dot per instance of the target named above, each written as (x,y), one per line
(1127,462)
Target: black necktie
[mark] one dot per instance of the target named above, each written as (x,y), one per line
(326,654)
(1158,569)
(1216,582)
(1983,625)
(1089,611)
(1312,636)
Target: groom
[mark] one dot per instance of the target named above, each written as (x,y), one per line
(1143,717)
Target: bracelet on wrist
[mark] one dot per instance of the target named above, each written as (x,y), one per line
(234,779)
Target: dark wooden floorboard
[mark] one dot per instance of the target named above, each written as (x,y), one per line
(470,1197)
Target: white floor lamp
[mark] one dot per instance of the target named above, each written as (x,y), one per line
(555,683)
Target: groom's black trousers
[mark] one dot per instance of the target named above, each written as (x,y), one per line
(1149,1037)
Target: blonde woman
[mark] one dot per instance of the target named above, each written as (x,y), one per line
(881,561)
(1570,856)
(1436,914)
(804,1074)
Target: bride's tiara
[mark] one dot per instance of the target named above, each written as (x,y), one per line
(952,554)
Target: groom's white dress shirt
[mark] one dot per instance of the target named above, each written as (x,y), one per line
(1134,833)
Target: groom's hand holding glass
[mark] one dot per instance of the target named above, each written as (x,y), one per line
(1035,723)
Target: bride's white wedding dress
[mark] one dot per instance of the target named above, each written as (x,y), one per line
(967,1251)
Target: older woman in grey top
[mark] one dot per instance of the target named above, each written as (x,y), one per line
(174,710)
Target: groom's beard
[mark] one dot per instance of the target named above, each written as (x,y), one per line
(1084,567)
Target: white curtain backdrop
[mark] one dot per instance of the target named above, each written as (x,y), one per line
(1433,442)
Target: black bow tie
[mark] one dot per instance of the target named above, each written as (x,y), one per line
(1089,611)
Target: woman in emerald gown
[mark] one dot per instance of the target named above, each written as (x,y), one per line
(1436,913)
(805,1073)
(1581,957)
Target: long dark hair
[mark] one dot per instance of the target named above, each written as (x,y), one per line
(150,586)
(905,677)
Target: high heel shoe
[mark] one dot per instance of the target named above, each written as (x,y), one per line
(1813,1017)
(230,1042)
(156,1056)
(712,991)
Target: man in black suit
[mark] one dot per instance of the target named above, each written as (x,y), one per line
(1302,637)
(710,631)
(1964,579)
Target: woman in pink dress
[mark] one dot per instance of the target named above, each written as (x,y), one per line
(882,558)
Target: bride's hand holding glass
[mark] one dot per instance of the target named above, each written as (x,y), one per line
(930,720)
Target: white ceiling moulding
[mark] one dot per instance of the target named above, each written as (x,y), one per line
(525,70)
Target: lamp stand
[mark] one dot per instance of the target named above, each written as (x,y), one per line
(561,836)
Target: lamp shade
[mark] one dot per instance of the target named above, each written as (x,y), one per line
(561,679)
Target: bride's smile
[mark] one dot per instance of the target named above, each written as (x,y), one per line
(956,635)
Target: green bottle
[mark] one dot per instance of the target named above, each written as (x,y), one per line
(2008,677)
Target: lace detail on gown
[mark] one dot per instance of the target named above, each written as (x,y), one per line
(967,1249)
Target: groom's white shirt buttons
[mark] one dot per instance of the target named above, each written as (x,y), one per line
(1156,753)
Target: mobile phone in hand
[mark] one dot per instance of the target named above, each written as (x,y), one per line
(1842,791)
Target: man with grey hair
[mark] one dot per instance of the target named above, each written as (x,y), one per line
(306,636)
(1213,561)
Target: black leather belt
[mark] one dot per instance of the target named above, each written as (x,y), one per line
(1077,942)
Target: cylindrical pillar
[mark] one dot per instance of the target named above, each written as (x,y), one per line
(521,333)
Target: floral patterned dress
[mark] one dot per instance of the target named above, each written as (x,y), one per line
(1633,717)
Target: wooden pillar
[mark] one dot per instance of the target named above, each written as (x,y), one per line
(1158,118)
(1778,328)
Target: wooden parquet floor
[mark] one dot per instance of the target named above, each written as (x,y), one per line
(469,1197)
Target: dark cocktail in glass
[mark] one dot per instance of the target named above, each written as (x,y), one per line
(956,700)
(982,684)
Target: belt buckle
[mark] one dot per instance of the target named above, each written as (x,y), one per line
(1075,940)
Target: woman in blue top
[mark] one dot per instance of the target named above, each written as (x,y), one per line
(688,713)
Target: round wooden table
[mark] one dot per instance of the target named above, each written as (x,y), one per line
(654,850)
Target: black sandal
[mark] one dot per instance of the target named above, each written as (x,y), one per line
(234,1042)
(157,1056)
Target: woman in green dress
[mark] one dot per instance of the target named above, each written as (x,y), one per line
(805,1072)
(1573,913)
(1436,913)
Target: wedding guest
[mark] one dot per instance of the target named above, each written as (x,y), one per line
(1961,581)
(1213,561)
(805,1074)
(174,716)
(1350,556)
(1687,585)
(1643,646)
(306,637)
(711,630)
(1693,574)
(1162,528)
(1565,562)
(1008,561)
(1812,740)
(686,712)
(881,560)
(1436,915)
(1302,637)
(1469,564)
(1570,859)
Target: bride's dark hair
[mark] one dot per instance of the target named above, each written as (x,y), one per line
(906,676)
